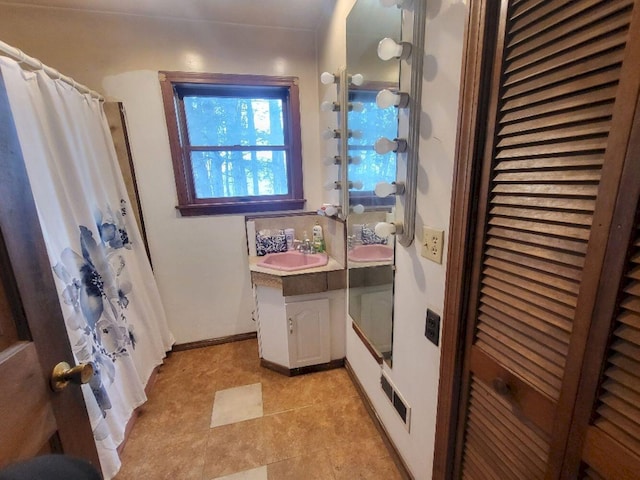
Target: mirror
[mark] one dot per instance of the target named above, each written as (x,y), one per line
(370,257)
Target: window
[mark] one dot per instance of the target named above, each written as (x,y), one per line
(235,142)
(371,123)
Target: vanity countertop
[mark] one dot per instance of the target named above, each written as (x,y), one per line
(332,276)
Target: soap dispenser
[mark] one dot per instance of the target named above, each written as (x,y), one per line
(318,238)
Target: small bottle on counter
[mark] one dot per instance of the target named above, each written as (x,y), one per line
(318,238)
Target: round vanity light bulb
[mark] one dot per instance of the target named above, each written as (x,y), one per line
(386,98)
(332,186)
(330,106)
(356,185)
(384,229)
(329,134)
(384,145)
(388,49)
(356,107)
(327,78)
(355,160)
(330,211)
(384,189)
(332,160)
(357,79)
(359,208)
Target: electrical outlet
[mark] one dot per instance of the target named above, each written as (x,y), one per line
(432,329)
(432,241)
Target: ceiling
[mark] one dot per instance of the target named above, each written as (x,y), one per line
(302,14)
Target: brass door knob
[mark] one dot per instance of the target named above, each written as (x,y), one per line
(63,374)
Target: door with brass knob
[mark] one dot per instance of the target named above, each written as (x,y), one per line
(33,418)
(63,374)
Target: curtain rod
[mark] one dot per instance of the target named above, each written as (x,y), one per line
(35,64)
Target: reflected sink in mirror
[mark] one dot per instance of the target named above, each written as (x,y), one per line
(371,253)
(291,261)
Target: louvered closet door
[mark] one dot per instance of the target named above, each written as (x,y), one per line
(612,444)
(553,97)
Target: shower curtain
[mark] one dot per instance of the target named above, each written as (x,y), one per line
(108,294)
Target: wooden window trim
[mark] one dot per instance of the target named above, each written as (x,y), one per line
(188,204)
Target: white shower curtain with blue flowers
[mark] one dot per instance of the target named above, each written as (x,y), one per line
(108,294)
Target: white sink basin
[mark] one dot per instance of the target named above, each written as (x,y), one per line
(371,253)
(291,261)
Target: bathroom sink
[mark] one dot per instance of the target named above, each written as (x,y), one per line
(371,253)
(291,261)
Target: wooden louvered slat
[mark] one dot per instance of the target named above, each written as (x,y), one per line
(527,438)
(536,332)
(563,104)
(562,23)
(533,238)
(535,15)
(542,289)
(579,44)
(619,427)
(546,278)
(560,148)
(566,272)
(550,189)
(593,160)
(540,252)
(627,410)
(591,474)
(541,176)
(589,113)
(570,204)
(562,336)
(620,391)
(498,444)
(525,307)
(526,295)
(544,355)
(583,219)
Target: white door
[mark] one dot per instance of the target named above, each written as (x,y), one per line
(309,333)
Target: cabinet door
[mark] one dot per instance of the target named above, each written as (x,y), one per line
(308,324)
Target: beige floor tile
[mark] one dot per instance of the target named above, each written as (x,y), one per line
(311,466)
(163,457)
(259,473)
(234,448)
(293,433)
(237,404)
(366,459)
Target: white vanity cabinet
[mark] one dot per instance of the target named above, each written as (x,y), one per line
(301,330)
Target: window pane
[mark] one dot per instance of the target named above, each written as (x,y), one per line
(219,174)
(373,123)
(227,121)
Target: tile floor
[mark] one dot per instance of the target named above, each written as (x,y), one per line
(307,427)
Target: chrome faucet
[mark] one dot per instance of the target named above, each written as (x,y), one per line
(306,246)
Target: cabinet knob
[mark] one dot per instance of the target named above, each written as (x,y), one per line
(501,387)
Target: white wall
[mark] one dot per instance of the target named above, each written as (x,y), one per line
(200,262)
(419,282)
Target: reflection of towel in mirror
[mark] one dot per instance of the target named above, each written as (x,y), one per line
(51,467)
(369,237)
(270,244)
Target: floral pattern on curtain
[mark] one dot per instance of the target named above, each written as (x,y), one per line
(108,294)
